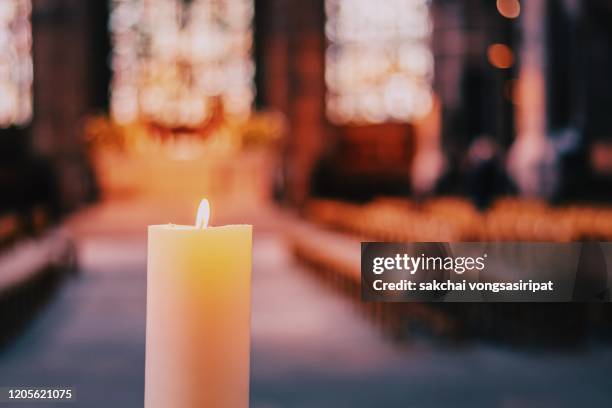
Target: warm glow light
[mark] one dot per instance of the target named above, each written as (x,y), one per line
(500,56)
(15,62)
(378,66)
(177,62)
(509,8)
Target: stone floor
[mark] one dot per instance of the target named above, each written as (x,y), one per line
(311,346)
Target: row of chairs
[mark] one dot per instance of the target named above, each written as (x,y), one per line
(16,225)
(454,219)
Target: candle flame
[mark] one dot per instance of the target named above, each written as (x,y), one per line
(203,214)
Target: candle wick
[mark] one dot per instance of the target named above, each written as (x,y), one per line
(203,214)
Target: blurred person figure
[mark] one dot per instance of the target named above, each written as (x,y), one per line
(485,177)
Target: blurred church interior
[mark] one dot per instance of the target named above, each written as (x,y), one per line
(324,123)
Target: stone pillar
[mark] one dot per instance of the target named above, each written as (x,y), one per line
(532,161)
(306,95)
(63,47)
(272,53)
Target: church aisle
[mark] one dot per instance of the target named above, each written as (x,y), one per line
(311,346)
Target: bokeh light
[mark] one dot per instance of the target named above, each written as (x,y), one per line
(500,56)
(509,8)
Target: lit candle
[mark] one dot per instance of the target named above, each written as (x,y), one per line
(198,315)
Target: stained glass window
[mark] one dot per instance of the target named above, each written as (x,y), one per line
(176,62)
(378,65)
(15,62)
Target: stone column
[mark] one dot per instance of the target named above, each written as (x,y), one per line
(306,95)
(532,161)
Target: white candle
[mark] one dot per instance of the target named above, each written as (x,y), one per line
(198,315)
